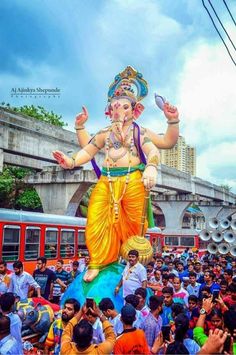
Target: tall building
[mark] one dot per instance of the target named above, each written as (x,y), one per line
(181,157)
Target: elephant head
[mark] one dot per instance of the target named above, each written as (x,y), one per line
(123,110)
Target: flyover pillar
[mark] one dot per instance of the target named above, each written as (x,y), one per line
(173,212)
(61,190)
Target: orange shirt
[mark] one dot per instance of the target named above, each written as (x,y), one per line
(131,341)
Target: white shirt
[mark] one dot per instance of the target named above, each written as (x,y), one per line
(20,284)
(133,276)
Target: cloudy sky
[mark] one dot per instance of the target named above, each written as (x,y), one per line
(79,46)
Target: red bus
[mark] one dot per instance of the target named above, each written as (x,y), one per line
(27,235)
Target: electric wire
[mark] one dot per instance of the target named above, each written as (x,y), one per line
(229,12)
(222,24)
(208,12)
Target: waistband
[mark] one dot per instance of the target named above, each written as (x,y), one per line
(122,171)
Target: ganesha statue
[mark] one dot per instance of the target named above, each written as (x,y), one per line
(128,170)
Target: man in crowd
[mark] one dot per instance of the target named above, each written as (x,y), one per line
(134,275)
(71,307)
(132,340)
(4,277)
(108,309)
(63,276)
(21,281)
(209,282)
(168,301)
(142,307)
(74,272)
(193,287)
(44,277)
(8,344)
(78,334)
(228,276)
(7,302)
(153,322)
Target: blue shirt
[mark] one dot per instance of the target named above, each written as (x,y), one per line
(191,345)
(166,315)
(9,346)
(15,327)
(152,328)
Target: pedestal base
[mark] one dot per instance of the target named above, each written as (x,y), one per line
(102,286)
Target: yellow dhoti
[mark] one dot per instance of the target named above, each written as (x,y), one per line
(104,234)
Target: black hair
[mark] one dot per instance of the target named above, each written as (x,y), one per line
(17,264)
(193,274)
(75,263)
(127,318)
(151,263)
(211,274)
(168,290)
(165,277)
(155,302)
(7,300)
(181,328)
(83,334)
(60,261)
(223,282)
(230,320)
(105,304)
(75,303)
(229,272)
(193,298)
(172,275)
(176,309)
(133,300)
(2,262)
(43,259)
(133,252)
(206,289)
(232,288)
(216,312)
(141,291)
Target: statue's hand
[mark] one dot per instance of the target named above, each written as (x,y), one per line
(63,160)
(171,112)
(149,176)
(82,117)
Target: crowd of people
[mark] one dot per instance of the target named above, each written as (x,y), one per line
(177,304)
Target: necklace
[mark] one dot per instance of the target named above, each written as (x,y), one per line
(117,143)
(117,202)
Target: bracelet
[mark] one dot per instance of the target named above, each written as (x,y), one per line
(73,163)
(172,122)
(150,164)
(79,128)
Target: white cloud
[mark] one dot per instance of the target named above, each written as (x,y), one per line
(206,97)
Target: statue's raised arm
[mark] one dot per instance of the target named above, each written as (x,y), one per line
(165,141)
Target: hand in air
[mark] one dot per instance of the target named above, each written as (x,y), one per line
(171,112)
(63,160)
(149,177)
(82,117)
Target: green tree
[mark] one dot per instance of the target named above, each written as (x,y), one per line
(37,112)
(83,206)
(15,193)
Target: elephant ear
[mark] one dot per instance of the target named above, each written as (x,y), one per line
(108,110)
(138,109)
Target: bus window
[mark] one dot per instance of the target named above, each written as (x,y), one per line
(173,241)
(11,243)
(82,246)
(51,241)
(67,248)
(187,241)
(32,238)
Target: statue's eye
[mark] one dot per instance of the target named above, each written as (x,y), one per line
(126,107)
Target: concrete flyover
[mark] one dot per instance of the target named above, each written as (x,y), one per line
(27,142)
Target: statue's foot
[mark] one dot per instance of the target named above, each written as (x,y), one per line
(90,275)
